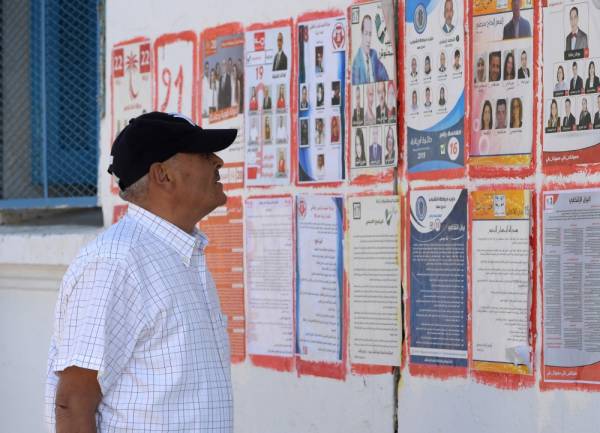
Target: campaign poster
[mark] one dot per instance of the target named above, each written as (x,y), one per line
(438,277)
(434,74)
(268,68)
(131,85)
(502,97)
(571,278)
(225,260)
(374,141)
(375,281)
(319,277)
(222,94)
(175,57)
(322,99)
(269,276)
(571,83)
(501,280)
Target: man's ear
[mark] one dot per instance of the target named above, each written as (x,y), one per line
(159,174)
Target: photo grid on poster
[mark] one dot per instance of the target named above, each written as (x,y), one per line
(502,98)
(572,83)
(501,281)
(131,86)
(268,66)
(374,141)
(434,74)
(321,101)
(222,98)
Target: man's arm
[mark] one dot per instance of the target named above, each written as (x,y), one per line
(77,397)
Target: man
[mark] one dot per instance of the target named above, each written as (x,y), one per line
(358,114)
(366,66)
(413,68)
(280,59)
(569,120)
(267,103)
(336,98)
(576,83)
(375,148)
(442,67)
(140,343)
(427,97)
(523,71)
(585,117)
(448,15)
(319,60)
(597,115)
(518,27)
(501,114)
(495,66)
(457,60)
(224,87)
(370,113)
(304,99)
(206,95)
(381,111)
(577,38)
(427,65)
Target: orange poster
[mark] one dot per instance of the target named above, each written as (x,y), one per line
(224,255)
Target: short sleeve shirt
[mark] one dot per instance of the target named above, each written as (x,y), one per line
(139,306)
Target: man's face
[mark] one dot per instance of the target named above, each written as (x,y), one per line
(279,42)
(448,12)
(370,95)
(304,94)
(516,9)
(574,21)
(367,32)
(427,65)
(427,95)
(501,115)
(442,59)
(457,60)
(523,60)
(414,98)
(495,68)
(413,66)
(480,69)
(381,93)
(197,182)
(568,107)
(575,70)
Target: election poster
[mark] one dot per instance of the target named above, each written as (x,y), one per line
(268,73)
(222,93)
(572,83)
(434,74)
(319,280)
(374,277)
(175,61)
(225,259)
(269,276)
(374,141)
(571,278)
(131,85)
(322,97)
(438,277)
(502,96)
(501,280)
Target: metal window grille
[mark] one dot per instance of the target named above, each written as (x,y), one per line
(49,103)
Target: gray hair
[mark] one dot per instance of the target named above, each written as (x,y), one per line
(137,191)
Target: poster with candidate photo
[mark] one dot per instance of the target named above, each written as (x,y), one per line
(222,93)
(434,74)
(571,83)
(373,142)
(268,66)
(502,97)
(321,101)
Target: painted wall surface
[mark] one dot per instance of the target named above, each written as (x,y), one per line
(266,401)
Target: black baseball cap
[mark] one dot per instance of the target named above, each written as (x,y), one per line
(156,137)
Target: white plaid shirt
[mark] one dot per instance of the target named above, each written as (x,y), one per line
(139,306)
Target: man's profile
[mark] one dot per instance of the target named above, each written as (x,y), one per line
(517,27)
(366,66)
(577,38)
(140,342)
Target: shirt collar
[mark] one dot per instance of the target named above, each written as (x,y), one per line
(183,243)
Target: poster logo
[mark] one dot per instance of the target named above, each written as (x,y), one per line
(259,41)
(338,36)
(301,207)
(421,206)
(420,18)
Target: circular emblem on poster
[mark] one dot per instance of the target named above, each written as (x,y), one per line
(420,18)
(338,36)
(453,149)
(421,208)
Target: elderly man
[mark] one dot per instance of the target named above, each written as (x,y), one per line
(140,343)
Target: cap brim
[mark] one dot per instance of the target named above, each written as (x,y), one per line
(213,140)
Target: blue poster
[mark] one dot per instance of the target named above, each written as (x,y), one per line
(438,277)
(435,90)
